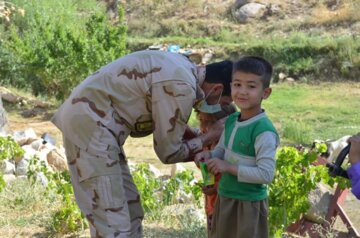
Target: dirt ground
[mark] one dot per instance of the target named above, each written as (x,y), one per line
(41,124)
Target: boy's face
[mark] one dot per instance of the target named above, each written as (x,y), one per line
(247,92)
(206,120)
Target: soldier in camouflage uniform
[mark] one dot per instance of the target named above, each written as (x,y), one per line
(142,93)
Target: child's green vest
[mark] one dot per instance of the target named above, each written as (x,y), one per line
(243,145)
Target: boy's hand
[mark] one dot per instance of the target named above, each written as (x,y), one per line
(214,132)
(201,157)
(217,166)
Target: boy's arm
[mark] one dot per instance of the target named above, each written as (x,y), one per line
(219,150)
(265,150)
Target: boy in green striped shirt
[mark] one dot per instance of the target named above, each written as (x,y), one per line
(245,155)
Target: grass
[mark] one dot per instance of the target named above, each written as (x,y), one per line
(324,111)
(24,210)
(180,220)
(305,112)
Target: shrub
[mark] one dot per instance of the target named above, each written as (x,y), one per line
(9,149)
(67,218)
(54,54)
(156,193)
(295,177)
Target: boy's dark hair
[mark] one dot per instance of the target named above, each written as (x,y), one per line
(255,65)
(220,72)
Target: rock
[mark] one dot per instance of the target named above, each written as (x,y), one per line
(6,167)
(290,80)
(8,178)
(155,171)
(250,10)
(274,9)
(176,168)
(37,144)
(184,197)
(186,211)
(22,167)
(239,3)
(41,178)
(25,137)
(319,199)
(42,156)
(333,4)
(206,58)
(8,96)
(29,153)
(282,76)
(57,160)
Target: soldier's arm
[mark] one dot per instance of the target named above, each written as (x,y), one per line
(171,108)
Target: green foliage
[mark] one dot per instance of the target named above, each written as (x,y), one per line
(9,149)
(53,54)
(68,217)
(295,177)
(298,55)
(183,183)
(156,193)
(2,182)
(225,35)
(148,187)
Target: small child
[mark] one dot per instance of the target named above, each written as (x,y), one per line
(245,156)
(210,192)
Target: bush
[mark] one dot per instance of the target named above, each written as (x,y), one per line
(54,52)
(9,149)
(295,177)
(67,218)
(156,193)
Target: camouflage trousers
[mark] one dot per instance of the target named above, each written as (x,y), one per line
(110,202)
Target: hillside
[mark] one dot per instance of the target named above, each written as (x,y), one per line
(210,18)
(305,39)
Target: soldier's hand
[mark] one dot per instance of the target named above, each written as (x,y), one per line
(190,133)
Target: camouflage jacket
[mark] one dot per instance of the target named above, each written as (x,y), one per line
(142,93)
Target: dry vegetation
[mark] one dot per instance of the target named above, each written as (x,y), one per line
(192,17)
